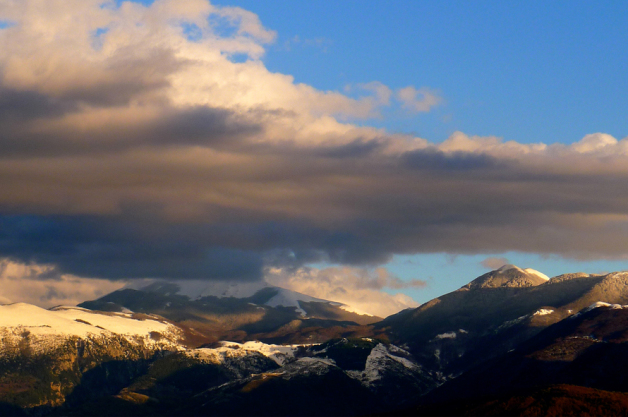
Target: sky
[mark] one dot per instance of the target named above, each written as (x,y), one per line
(373,153)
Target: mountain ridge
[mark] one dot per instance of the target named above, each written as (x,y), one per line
(153,349)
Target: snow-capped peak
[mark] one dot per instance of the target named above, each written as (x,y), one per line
(508,276)
(507,267)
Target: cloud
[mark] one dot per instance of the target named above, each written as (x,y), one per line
(45,286)
(421,100)
(134,144)
(359,289)
(494,263)
(382,92)
(595,143)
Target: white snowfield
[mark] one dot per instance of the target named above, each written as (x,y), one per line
(281,354)
(48,327)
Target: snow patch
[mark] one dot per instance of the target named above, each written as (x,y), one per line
(281,354)
(537,273)
(378,361)
(448,335)
(543,312)
(603,304)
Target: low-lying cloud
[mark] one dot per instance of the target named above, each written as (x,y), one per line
(359,289)
(134,145)
(45,286)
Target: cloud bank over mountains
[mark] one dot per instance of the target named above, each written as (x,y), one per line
(153,142)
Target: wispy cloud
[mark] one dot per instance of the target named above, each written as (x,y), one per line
(494,263)
(417,101)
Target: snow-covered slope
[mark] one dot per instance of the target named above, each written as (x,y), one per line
(537,273)
(48,328)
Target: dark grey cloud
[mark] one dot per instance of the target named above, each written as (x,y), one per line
(289,212)
(197,125)
(17,107)
(118,248)
(126,75)
(357,148)
(434,159)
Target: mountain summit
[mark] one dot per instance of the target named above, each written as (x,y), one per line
(508,276)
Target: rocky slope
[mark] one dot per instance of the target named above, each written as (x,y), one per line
(583,353)
(494,314)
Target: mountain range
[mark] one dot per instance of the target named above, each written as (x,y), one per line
(511,342)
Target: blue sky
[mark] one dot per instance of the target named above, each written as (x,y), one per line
(530,71)
(180,140)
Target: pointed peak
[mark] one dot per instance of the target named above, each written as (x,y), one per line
(509,276)
(508,267)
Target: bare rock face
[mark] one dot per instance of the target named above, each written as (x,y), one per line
(508,276)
